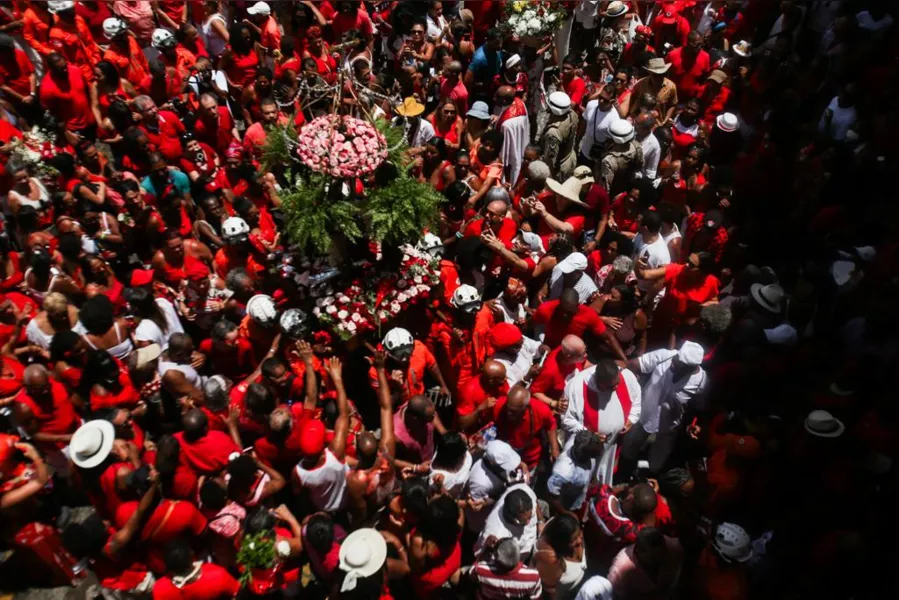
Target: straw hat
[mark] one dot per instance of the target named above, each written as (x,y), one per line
(570,190)
(616,9)
(657,65)
(410,107)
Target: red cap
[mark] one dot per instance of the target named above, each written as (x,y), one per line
(197,271)
(7,454)
(312,438)
(141,277)
(504,335)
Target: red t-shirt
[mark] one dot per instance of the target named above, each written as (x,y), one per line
(58,416)
(681,293)
(524,435)
(346,22)
(166,136)
(214,583)
(170,520)
(585,320)
(575,90)
(236,363)
(67,98)
(688,75)
(209,454)
(16,73)
(284,456)
(506,234)
(473,394)
(218,134)
(551,379)
(573,217)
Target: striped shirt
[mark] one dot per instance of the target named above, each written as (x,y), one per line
(521,582)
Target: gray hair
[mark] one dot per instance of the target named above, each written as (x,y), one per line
(16,164)
(497,193)
(143,102)
(622,264)
(538,171)
(506,555)
(215,392)
(716,318)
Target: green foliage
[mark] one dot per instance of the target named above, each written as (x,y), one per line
(277,152)
(398,212)
(396,141)
(257,551)
(313,219)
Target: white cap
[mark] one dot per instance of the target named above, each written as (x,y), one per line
(260,8)
(57,6)
(691,353)
(573,262)
(502,455)
(559,103)
(261,309)
(621,131)
(362,554)
(92,443)
(512,61)
(113,26)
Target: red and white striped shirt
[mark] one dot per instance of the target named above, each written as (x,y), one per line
(521,582)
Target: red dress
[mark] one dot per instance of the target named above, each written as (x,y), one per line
(242,70)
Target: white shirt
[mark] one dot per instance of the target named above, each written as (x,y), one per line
(148,331)
(656,255)
(517,365)
(454,481)
(585,13)
(652,152)
(842,121)
(611,417)
(215,44)
(597,126)
(663,398)
(482,484)
(423,135)
(525,537)
(596,588)
(326,484)
(570,480)
(585,286)
(435,28)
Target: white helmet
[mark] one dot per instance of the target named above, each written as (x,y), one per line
(162,39)
(114,26)
(234,228)
(430,243)
(466,298)
(261,309)
(398,341)
(57,6)
(733,543)
(294,323)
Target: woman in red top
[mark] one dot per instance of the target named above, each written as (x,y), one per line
(685,132)
(318,50)
(101,280)
(688,287)
(435,553)
(241,57)
(189,38)
(688,176)
(625,217)
(105,383)
(106,88)
(447,124)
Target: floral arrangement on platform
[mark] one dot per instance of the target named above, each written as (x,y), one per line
(323,206)
(341,146)
(356,310)
(534,18)
(35,149)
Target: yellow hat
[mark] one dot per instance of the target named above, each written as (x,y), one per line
(410,107)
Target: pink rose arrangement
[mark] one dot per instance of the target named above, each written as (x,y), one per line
(355,311)
(341,146)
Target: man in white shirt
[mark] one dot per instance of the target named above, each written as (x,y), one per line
(500,467)
(650,247)
(515,516)
(570,273)
(513,350)
(677,383)
(652,151)
(599,115)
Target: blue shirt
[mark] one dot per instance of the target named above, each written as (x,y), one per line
(177,179)
(486,64)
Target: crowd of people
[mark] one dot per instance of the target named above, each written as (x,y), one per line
(658,363)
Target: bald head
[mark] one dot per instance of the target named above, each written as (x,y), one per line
(420,408)
(35,375)
(366,448)
(195,424)
(494,374)
(506,92)
(573,349)
(518,399)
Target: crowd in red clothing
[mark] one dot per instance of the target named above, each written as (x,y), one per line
(658,362)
